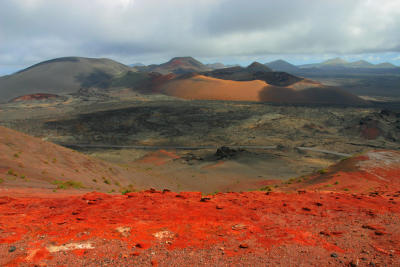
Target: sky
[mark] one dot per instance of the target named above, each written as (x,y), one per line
(227,31)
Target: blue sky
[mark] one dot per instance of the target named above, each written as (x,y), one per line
(227,31)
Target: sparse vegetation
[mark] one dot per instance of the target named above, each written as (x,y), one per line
(125,191)
(94,180)
(1,180)
(337,182)
(346,189)
(293,180)
(12,172)
(67,184)
(266,188)
(128,189)
(322,171)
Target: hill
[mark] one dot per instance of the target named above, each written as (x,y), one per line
(281,65)
(208,88)
(26,161)
(177,65)
(360,64)
(255,71)
(258,67)
(304,91)
(60,76)
(386,65)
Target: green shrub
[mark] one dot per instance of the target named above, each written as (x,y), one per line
(266,188)
(12,172)
(125,191)
(67,184)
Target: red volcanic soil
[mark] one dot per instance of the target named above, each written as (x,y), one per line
(158,158)
(201,87)
(371,172)
(208,88)
(300,227)
(38,96)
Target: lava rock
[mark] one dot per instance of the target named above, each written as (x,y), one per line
(226,152)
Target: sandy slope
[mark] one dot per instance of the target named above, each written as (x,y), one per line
(26,161)
(208,88)
(304,91)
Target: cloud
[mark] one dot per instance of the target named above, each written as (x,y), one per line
(154,30)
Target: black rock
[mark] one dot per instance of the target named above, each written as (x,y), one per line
(334,255)
(12,249)
(225,152)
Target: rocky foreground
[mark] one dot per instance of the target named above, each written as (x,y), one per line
(300,227)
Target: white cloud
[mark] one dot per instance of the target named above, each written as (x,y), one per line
(132,30)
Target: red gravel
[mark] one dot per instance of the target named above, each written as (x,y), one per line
(304,227)
(253,228)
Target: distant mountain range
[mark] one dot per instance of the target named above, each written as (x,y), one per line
(332,65)
(341,63)
(183,77)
